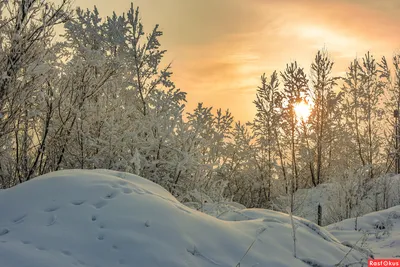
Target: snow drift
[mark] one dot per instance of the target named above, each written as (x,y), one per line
(108,219)
(377,232)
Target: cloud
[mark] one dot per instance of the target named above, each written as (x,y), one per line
(220,48)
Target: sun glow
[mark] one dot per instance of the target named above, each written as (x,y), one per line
(302,110)
(335,39)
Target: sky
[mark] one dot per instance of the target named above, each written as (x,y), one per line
(220,48)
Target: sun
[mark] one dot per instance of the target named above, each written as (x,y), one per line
(302,110)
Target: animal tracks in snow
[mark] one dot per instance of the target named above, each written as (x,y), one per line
(52,208)
(111,195)
(78,202)
(19,219)
(66,252)
(100,237)
(122,182)
(100,204)
(4,231)
(126,190)
(52,220)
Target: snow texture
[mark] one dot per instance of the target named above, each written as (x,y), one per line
(108,219)
(377,232)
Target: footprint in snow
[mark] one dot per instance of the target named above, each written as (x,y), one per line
(100,204)
(111,195)
(126,190)
(4,232)
(51,209)
(66,252)
(52,220)
(78,202)
(100,237)
(123,183)
(140,191)
(94,218)
(19,219)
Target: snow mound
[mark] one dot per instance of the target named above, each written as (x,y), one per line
(106,218)
(377,232)
(215,209)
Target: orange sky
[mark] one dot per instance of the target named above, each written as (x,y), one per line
(220,48)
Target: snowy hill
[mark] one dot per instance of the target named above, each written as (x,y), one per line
(377,232)
(110,219)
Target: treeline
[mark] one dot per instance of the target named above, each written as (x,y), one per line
(101,98)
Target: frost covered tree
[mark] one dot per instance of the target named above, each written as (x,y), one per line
(99,98)
(88,70)
(102,97)
(266,127)
(204,139)
(325,100)
(26,28)
(239,168)
(128,107)
(391,76)
(363,90)
(295,88)
(26,83)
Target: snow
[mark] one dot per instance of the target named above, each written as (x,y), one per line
(377,232)
(332,198)
(215,209)
(307,200)
(107,219)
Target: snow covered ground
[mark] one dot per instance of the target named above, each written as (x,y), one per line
(215,209)
(333,198)
(377,232)
(109,219)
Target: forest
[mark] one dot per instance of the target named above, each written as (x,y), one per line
(101,96)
